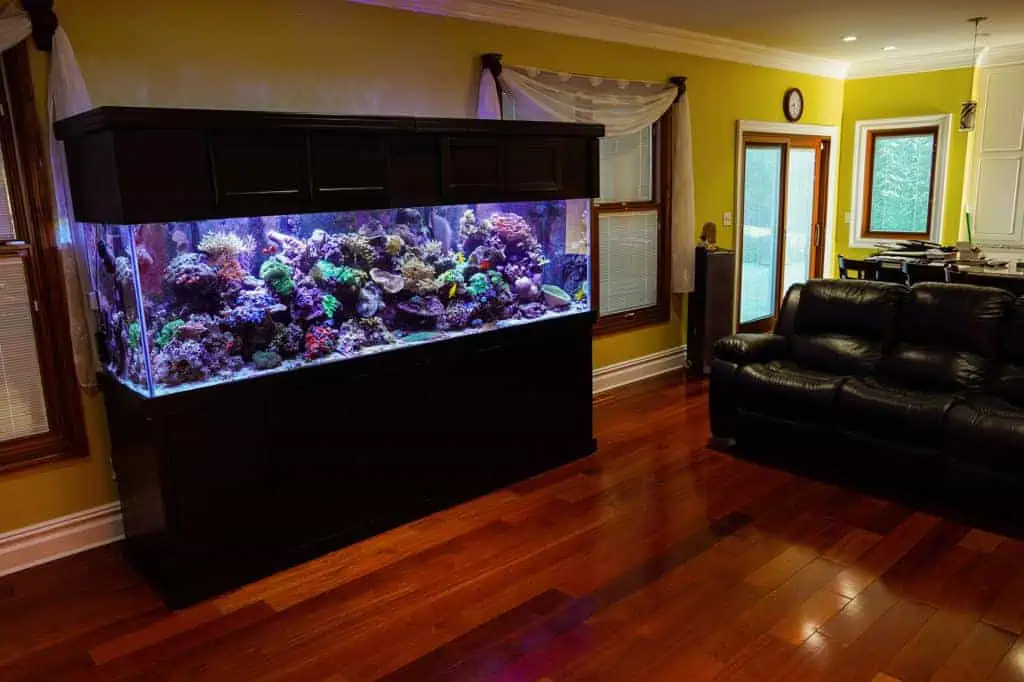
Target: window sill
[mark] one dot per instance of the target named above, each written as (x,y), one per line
(608,325)
(33,451)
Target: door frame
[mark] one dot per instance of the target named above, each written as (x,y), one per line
(775,128)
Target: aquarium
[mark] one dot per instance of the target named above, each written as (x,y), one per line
(191,304)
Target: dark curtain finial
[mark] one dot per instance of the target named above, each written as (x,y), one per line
(680,83)
(44,22)
(492,62)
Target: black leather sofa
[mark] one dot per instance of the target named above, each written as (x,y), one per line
(934,372)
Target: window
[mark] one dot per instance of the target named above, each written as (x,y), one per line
(40,410)
(900,179)
(899,182)
(629,229)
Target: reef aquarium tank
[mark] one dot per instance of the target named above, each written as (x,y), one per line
(189,304)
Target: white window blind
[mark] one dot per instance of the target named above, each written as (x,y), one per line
(626,168)
(6,216)
(628,244)
(22,406)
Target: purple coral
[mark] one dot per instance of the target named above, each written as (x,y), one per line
(180,362)
(190,275)
(307,301)
(421,311)
(288,340)
(457,315)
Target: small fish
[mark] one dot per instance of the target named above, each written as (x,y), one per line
(485,265)
(580,295)
(453,289)
(460,258)
(270,249)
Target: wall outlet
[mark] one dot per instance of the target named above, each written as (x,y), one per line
(727,219)
(848,217)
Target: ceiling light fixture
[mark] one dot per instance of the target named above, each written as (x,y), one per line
(850,39)
(969,109)
(888,48)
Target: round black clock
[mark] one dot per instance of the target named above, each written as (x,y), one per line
(793,104)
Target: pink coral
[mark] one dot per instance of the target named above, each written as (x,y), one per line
(320,341)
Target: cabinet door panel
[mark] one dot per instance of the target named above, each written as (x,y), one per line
(473,167)
(535,165)
(261,171)
(348,169)
(998,218)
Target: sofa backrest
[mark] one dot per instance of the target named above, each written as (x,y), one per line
(947,337)
(1008,376)
(843,326)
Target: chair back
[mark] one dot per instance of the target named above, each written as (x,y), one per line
(860,269)
(918,272)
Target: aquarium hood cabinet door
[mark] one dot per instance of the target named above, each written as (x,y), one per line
(143,165)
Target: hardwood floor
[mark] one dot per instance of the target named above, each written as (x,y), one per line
(656,559)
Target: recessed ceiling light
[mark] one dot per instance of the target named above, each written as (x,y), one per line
(850,39)
(888,48)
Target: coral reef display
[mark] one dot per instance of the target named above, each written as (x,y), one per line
(191,303)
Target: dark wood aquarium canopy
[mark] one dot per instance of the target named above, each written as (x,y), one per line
(233,479)
(143,165)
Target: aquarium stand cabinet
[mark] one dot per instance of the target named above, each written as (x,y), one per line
(240,476)
(226,484)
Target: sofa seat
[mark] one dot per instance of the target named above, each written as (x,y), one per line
(989,431)
(783,390)
(889,413)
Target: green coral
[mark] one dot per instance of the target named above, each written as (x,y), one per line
(278,274)
(477,285)
(167,332)
(134,334)
(326,272)
(498,282)
(330,305)
(453,276)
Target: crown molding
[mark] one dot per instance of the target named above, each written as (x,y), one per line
(1002,55)
(897,65)
(584,24)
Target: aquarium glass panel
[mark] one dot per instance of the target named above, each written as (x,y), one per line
(225,300)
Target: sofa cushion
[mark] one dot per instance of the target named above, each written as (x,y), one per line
(1008,378)
(786,391)
(948,335)
(892,413)
(744,348)
(843,326)
(988,431)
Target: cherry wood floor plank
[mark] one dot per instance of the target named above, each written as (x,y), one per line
(931,646)
(977,656)
(657,559)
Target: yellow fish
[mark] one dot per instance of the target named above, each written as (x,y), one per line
(460,258)
(454,288)
(580,295)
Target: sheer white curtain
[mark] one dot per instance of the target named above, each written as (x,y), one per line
(66,96)
(624,108)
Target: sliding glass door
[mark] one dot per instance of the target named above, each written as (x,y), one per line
(781,227)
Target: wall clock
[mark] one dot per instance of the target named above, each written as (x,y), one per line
(793,104)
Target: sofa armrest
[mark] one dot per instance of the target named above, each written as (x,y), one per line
(744,349)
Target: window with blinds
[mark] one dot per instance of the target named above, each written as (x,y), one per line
(629,220)
(40,402)
(22,402)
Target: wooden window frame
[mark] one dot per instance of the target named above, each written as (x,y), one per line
(33,212)
(661,202)
(869,175)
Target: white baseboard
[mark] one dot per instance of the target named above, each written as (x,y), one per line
(56,538)
(638,369)
(61,537)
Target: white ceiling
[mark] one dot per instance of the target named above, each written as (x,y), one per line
(816,27)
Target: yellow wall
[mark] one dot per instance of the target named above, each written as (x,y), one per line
(919,94)
(338,57)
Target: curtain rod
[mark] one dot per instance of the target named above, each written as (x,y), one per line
(492,62)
